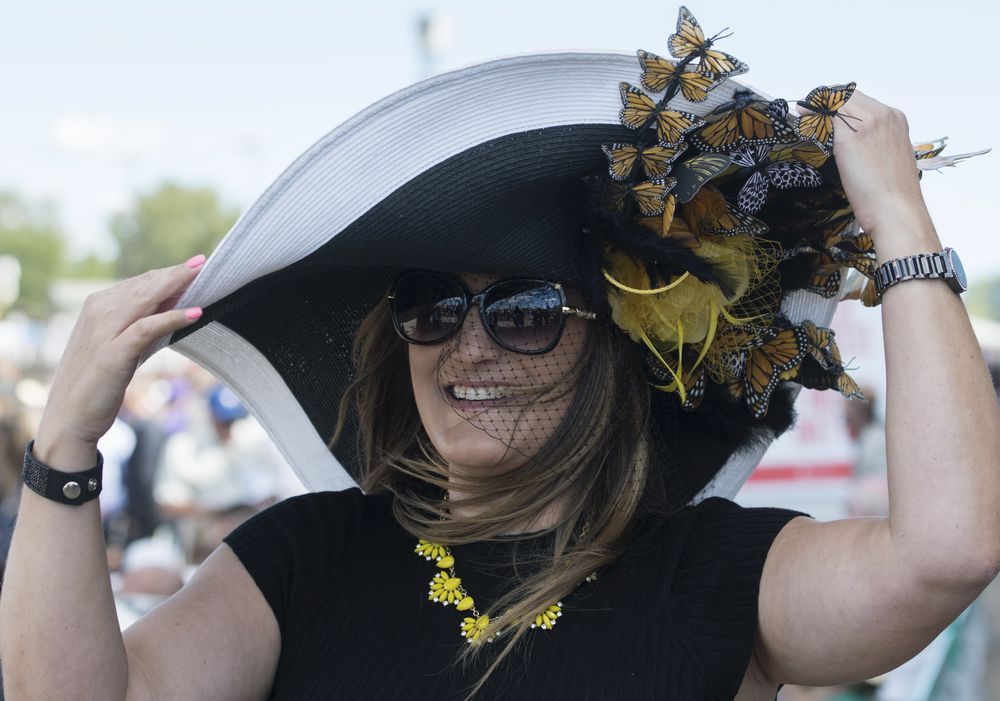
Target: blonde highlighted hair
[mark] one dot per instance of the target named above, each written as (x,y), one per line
(598,466)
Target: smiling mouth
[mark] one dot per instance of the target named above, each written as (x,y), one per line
(476,394)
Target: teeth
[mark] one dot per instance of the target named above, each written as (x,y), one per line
(478,393)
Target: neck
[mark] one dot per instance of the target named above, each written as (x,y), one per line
(547,518)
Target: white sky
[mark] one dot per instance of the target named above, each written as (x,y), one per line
(103,99)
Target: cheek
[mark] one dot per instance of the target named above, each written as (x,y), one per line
(423,374)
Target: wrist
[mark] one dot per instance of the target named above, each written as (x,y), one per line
(64,452)
(905,237)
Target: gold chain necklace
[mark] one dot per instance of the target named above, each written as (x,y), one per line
(446,588)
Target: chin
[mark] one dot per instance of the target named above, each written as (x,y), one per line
(476,451)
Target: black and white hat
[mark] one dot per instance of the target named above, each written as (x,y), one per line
(473,170)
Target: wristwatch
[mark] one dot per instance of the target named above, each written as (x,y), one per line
(945,265)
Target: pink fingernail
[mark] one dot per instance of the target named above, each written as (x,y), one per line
(196,262)
(193,313)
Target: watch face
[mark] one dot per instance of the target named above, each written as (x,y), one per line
(956,266)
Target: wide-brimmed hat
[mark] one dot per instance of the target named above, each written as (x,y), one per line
(475,170)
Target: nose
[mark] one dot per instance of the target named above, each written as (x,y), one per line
(474,343)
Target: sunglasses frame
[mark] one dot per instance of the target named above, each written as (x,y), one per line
(476,299)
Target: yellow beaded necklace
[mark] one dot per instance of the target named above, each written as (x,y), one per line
(446,589)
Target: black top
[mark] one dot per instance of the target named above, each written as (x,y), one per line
(675,618)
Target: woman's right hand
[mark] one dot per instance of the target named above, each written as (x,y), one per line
(113,330)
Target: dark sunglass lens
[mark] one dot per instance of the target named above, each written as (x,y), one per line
(524,315)
(427,307)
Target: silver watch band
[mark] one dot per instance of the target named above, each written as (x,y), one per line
(921,265)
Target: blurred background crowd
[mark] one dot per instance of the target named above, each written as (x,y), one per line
(132,137)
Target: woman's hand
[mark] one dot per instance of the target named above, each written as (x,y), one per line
(877,167)
(114,328)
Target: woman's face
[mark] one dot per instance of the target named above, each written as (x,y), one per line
(487,409)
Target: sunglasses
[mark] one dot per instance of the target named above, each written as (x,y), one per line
(520,314)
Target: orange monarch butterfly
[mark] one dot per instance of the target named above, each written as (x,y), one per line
(639,110)
(825,103)
(656,160)
(694,381)
(710,213)
(694,388)
(805,151)
(929,149)
(657,72)
(775,356)
(689,42)
(649,195)
(825,282)
(745,120)
(822,346)
(764,172)
(814,376)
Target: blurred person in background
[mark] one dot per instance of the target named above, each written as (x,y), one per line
(141,512)
(218,471)
(14,431)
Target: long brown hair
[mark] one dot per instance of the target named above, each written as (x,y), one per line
(598,466)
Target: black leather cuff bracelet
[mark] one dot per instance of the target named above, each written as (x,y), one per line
(72,488)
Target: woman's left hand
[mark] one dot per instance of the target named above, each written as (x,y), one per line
(877,166)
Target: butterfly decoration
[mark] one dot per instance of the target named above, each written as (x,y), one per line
(823,368)
(765,172)
(639,111)
(813,376)
(709,212)
(804,151)
(929,149)
(772,354)
(656,160)
(939,162)
(695,382)
(693,173)
(824,104)
(746,119)
(928,155)
(689,42)
(825,282)
(822,346)
(658,73)
(683,195)
(650,194)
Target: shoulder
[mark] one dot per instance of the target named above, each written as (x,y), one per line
(314,515)
(297,547)
(716,526)
(713,555)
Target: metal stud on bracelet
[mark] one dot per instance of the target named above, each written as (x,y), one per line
(72,488)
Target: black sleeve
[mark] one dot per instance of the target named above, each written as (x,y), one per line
(715,583)
(293,548)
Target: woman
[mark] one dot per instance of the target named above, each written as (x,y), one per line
(515,431)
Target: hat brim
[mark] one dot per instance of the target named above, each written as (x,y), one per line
(284,290)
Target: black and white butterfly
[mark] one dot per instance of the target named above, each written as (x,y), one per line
(765,173)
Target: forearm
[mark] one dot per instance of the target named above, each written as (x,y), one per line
(59,634)
(942,426)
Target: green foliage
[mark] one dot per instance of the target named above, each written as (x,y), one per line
(90,267)
(168,226)
(983,298)
(31,234)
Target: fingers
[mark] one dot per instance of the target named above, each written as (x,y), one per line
(139,335)
(155,287)
(152,292)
